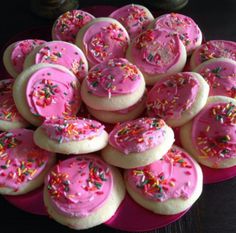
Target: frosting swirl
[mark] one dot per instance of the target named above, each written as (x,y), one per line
(20,159)
(138,135)
(52,92)
(79,185)
(172,96)
(173,176)
(66,130)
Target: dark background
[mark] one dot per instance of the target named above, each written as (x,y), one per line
(215,211)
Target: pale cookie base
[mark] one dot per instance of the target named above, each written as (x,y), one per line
(151,79)
(115,117)
(72,147)
(30,185)
(171,206)
(196,107)
(80,34)
(186,140)
(19,91)
(99,216)
(8,125)
(132,160)
(113,103)
(7,60)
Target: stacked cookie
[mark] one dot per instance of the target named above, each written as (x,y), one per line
(128,70)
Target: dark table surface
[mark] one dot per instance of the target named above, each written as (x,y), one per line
(215,211)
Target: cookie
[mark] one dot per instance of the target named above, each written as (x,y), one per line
(71,136)
(157,53)
(135,18)
(167,186)
(210,136)
(138,142)
(68,24)
(61,53)
(213,49)
(15,54)
(113,85)
(82,192)
(185,27)
(102,39)
(23,165)
(10,118)
(177,98)
(220,74)
(46,90)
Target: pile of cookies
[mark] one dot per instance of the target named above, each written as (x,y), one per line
(136,79)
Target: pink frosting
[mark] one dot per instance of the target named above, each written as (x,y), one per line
(138,135)
(187,30)
(65,54)
(155,51)
(68,24)
(80,185)
(174,176)
(8,110)
(21,160)
(51,92)
(104,40)
(114,77)
(20,50)
(213,132)
(172,96)
(221,77)
(66,130)
(215,49)
(134,18)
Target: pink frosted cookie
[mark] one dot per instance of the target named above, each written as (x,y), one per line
(185,27)
(138,142)
(103,39)
(15,54)
(68,24)
(61,53)
(135,18)
(113,85)
(9,116)
(177,98)
(46,90)
(71,136)
(220,74)
(157,54)
(210,137)
(122,115)
(23,165)
(213,49)
(82,192)
(167,186)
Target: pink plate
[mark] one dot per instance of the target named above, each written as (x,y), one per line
(129,217)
